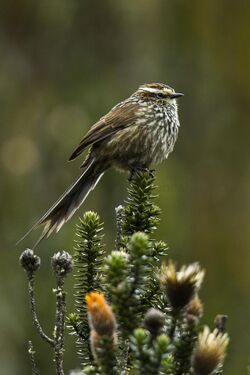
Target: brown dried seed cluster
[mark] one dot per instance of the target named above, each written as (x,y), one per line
(181,286)
(195,308)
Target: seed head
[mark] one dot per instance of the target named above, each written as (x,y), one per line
(29,261)
(62,263)
(181,286)
(154,321)
(210,351)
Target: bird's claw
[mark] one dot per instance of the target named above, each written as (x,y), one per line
(140,169)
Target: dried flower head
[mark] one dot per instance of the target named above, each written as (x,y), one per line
(210,351)
(181,286)
(220,322)
(194,309)
(29,261)
(154,321)
(62,263)
(101,317)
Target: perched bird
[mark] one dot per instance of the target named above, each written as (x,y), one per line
(136,133)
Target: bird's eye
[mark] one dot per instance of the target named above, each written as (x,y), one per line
(161,95)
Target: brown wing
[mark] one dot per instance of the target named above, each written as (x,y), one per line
(117,119)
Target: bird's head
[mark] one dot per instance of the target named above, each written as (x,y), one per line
(158,92)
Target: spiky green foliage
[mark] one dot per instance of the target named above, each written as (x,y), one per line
(88,260)
(126,279)
(153,297)
(138,295)
(140,213)
(132,283)
(151,357)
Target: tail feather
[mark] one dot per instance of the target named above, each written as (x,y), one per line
(67,206)
(64,208)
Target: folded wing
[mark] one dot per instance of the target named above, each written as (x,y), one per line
(118,118)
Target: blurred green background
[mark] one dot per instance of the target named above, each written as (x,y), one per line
(63,64)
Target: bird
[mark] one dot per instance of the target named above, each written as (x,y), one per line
(136,133)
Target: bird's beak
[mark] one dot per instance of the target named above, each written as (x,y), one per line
(176,95)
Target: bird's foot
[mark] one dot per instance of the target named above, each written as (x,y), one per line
(140,169)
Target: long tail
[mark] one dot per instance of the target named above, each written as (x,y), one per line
(64,208)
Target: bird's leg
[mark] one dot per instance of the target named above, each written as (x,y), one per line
(151,172)
(139,168)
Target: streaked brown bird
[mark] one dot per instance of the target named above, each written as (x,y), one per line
(136,133)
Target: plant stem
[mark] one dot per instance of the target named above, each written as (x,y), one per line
(59,325)
(125,355)
(173,323)
(35,320)
(32,358)
(119,223)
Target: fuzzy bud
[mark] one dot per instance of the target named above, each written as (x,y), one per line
(101,317)
(62,263)
(138,245)
(140,335)
(210,351)
(154,321)
(29,261)
(162,342)
(103,337)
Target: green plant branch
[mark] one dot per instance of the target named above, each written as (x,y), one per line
(88,259)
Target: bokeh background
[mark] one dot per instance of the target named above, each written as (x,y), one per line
(63,64)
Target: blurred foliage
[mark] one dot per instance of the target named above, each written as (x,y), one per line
(65,63)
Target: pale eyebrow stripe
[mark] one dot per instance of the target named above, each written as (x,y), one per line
(149,89)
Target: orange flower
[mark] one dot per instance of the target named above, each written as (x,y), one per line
(101,317)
